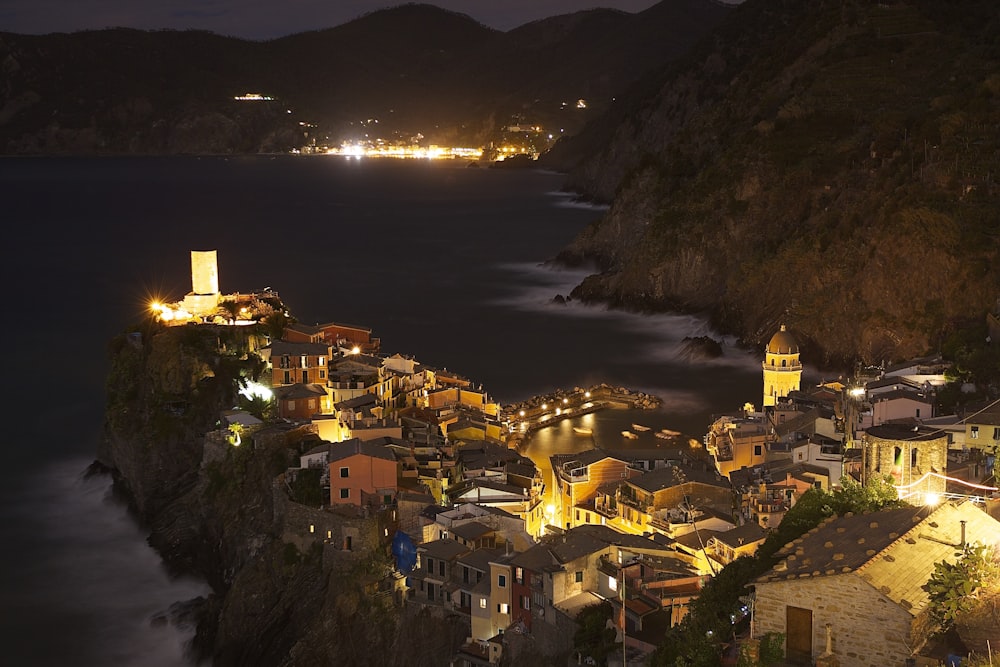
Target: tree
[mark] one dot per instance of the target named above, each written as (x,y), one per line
(953,588)
(593,636)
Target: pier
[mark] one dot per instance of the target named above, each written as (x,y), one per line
(528,416)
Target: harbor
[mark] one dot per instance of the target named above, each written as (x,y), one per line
(526,417)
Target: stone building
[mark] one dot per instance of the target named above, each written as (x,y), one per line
(859,578)
(916,457)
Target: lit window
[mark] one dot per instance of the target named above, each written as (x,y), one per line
(612,583)
(482,603)
(974,432)
(503,608)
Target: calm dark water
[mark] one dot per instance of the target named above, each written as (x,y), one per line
(442,261)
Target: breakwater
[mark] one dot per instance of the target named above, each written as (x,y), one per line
(526,417)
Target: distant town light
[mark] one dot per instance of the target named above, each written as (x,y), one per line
(931,499)
(355,350)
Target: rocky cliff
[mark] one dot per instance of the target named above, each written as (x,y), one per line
(286,590)
(829,165)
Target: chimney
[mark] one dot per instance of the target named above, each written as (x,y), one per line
(962,543)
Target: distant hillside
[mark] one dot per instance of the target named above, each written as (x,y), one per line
(831,165)
(415,68)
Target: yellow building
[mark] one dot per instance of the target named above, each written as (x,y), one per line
(782,368)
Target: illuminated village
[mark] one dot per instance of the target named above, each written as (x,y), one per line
(477,531)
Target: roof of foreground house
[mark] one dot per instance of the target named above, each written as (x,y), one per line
(894,550)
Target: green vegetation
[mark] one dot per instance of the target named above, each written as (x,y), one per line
(771,651)
(835,169)
(593,638)
(306,489)
(953,588)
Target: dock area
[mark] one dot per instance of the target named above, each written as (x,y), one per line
(537,412)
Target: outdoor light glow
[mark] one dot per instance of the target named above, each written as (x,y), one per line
(521,413)
(586,394)
(545,406)
(252,389)
(565,400)
(858,391)
(355,350)
(931,499)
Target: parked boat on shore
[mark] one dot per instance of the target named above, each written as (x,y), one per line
(629,435)
(583,430)
(640,427)
(666,433)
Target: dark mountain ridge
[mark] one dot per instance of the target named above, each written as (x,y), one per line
(415,68)
(828,165)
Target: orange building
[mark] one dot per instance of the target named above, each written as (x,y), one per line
(362,473)
(577,478)
(297,363)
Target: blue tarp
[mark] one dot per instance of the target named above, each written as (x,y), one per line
(404,551)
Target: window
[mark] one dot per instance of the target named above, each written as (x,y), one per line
(441,567)
(996,432)
(465,574)
(466,599)
(757,449)
(519,575)
(913,457)
(613,583)
(525,602)
(291,405)
(502,580)
(322,361)
(482,603)
(579,576)
(322,375)
(305,377)
(345,472)
(303,361)
(578,516)
(430,565)
(974,432)
(784,363)
(503,608)
(345,494)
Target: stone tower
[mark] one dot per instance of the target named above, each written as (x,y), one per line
(204,272)
(782,369)
(204,296)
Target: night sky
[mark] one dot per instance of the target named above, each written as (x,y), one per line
(262,19)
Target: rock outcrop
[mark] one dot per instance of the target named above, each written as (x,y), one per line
(815,163)
(286,591)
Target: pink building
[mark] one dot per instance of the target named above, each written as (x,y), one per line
(361,473)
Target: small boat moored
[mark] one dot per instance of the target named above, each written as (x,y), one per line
(629,435)
(583,430)
(640,427)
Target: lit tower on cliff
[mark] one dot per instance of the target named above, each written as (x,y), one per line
(204,296)
(782,369)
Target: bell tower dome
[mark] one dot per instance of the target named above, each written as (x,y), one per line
(782,368)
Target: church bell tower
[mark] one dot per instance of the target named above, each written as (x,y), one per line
(782,368)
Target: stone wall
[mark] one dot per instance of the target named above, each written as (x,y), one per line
(868,629)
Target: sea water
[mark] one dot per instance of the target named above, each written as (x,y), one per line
(444,262)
